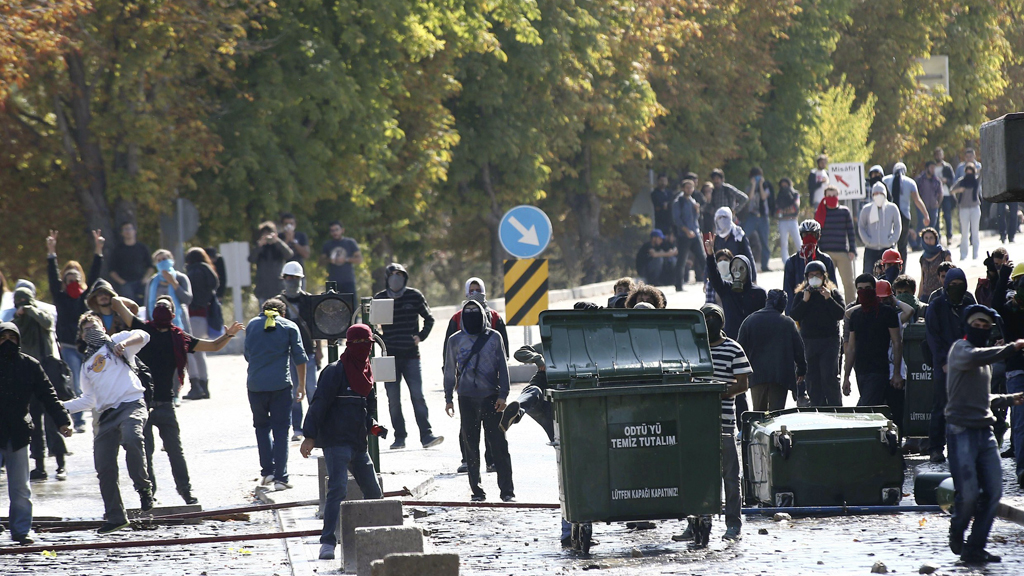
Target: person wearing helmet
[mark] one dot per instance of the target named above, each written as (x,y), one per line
(297,309)
(934,254)
(819,307)
(967,191)
(943,325)
(1008,300)
(892,265)
(796,264)
(880,226)
(402,338)
(902,189)
(838,238)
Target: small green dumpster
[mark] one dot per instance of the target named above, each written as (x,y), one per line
(917,408)
(638,419)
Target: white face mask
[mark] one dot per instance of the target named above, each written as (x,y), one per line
(879,200)
(814,282)
(723,270)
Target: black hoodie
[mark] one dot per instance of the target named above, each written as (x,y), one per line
(737,305)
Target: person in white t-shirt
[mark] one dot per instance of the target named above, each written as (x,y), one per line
(111,386)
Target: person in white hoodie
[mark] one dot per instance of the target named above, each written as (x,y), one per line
(880,226)
(111,386)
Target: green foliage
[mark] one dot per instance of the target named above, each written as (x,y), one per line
(837,129)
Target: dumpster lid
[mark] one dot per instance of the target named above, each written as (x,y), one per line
(616,345)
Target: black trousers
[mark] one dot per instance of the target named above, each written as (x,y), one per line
(45,434)
(823,371)
(474,412)
(937,426)
(903,237)
(166,421)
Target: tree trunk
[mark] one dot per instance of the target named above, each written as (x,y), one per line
(493,220)
(586,207)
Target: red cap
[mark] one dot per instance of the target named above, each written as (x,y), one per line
(883,289)
(891,256)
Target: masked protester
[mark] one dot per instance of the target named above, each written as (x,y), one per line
(402,338)
(838,238)
(984,292)
(892,266)
(297,309)
(872,327)
(944,327)
(973,454)
(967,191)
(22,380)
(205,282)
(880,226)
(810,233)
(903,190)
(773,359)
(1009,302)
(339,420)
(729,236)
(475,365)
(740,296)
(904,288)
(934,255)
(69,289)
(169,282)
(819,308)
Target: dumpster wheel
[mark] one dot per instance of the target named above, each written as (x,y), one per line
(582,535)
(702,531)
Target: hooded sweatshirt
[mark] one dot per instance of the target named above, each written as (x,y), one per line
(773,358)
(906,191)
(477,375)
(22,380)
(969,384)
(495,319)
(737,305)
(732,238)
(942,320)
(35,325)
(881,233)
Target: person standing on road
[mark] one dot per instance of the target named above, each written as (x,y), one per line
(165,356)
(757,215)
(880,226)
(729,236)
(724,195)
(205,281)
(475,364)
(872,327)
(773,359)
(130,263)
(787,210)
(269,256)
(297,241)
(297,310)
(339,420)
(795,271)
(967,191)
(740,297)
(944,326)
(903,190)
(22,381)
(272,344)
(970,157)
(686,217)
(69,290)
(818,180)
(402,338)
(819,308)
(838,238)
(947,176)
(340,254)
(933,255)
(175,285)
(661,198)
(929,185)
(1008,300)
(973,453)
(111,386)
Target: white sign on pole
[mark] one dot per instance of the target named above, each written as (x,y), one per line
(936,72)
(236,263)
(848,177)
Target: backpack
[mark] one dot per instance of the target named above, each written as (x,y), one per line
(145,376)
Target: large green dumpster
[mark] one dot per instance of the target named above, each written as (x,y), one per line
(917,407)
(638,419)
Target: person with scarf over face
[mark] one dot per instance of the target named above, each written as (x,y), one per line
(22,380)
(339,419)
(933,255)
(111,386)
(902,190)
(729,236)
(880,227)
(475,365)
(984,291)
(773,359)
(872,327)
(793,274)
(943,325)
(169,282)
(402,338)
(838,238)
(967,191)
(1008,300)
(819,308)
(973,453)
(165,356)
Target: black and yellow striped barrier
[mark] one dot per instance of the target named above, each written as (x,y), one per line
(526,291)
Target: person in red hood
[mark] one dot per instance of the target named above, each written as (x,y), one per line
(339,419)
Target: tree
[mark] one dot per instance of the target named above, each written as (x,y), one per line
(837,129)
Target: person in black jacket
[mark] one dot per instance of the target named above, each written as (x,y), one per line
(773,358)
(793,274)
(740,297)
(69,294)
(21,380)
(1008,300)
(339,420)
(819,308)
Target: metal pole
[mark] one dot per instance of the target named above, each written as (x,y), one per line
(179,246)
(156,543)
(839,510)
(432,504)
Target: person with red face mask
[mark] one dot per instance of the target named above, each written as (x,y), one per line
(339,419)
(166,356)
(838,238)
(872,327)
(810,233)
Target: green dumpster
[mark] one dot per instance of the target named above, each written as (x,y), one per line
(638,419)
(917,407)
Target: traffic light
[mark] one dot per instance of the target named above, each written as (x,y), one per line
(330,314)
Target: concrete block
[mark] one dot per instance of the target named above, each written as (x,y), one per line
(377,543)
(377,568)
(521,373)
(360,514)
(405,564)
(354,492)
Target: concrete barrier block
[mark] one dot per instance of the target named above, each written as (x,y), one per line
(354,492)
(360,514)
(377,543)
(377,568)
(421,565)
(520,373)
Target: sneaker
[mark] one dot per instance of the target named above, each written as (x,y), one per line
(62,474)
(509,416)
(462,469)
(109,527)
(1008,453)
(278,486)
(478,498)
(146,502)
(978,557)
(686,536)
(433,441)
(296,437)
(732,533)
(508,498)
(23,539)
(177,402)
(38,474)
(956,541)
(398,444)
(327,551)
(937,457)
(491,469)
(267,480)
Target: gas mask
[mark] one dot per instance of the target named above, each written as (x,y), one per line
(739,277)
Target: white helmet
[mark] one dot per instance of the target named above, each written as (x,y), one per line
(292,268)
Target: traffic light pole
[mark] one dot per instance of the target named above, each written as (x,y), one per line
(373,443)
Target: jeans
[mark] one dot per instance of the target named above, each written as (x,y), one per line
(948,205)
(654,272)
(341,459)
(16,462)
(474,412)
(532,402)
(270,413)
(73,358)
(409,368)
(937,425)
(1015,384)
(765,397)
(123,426)
(871,255)
(731,479)
(1006,216)
(760,225)
(970,220)
(823,371)
(310,390)
(789,232)
(978,479)
(872,387)
(165,419)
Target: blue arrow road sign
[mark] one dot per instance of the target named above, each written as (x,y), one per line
(525,231)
